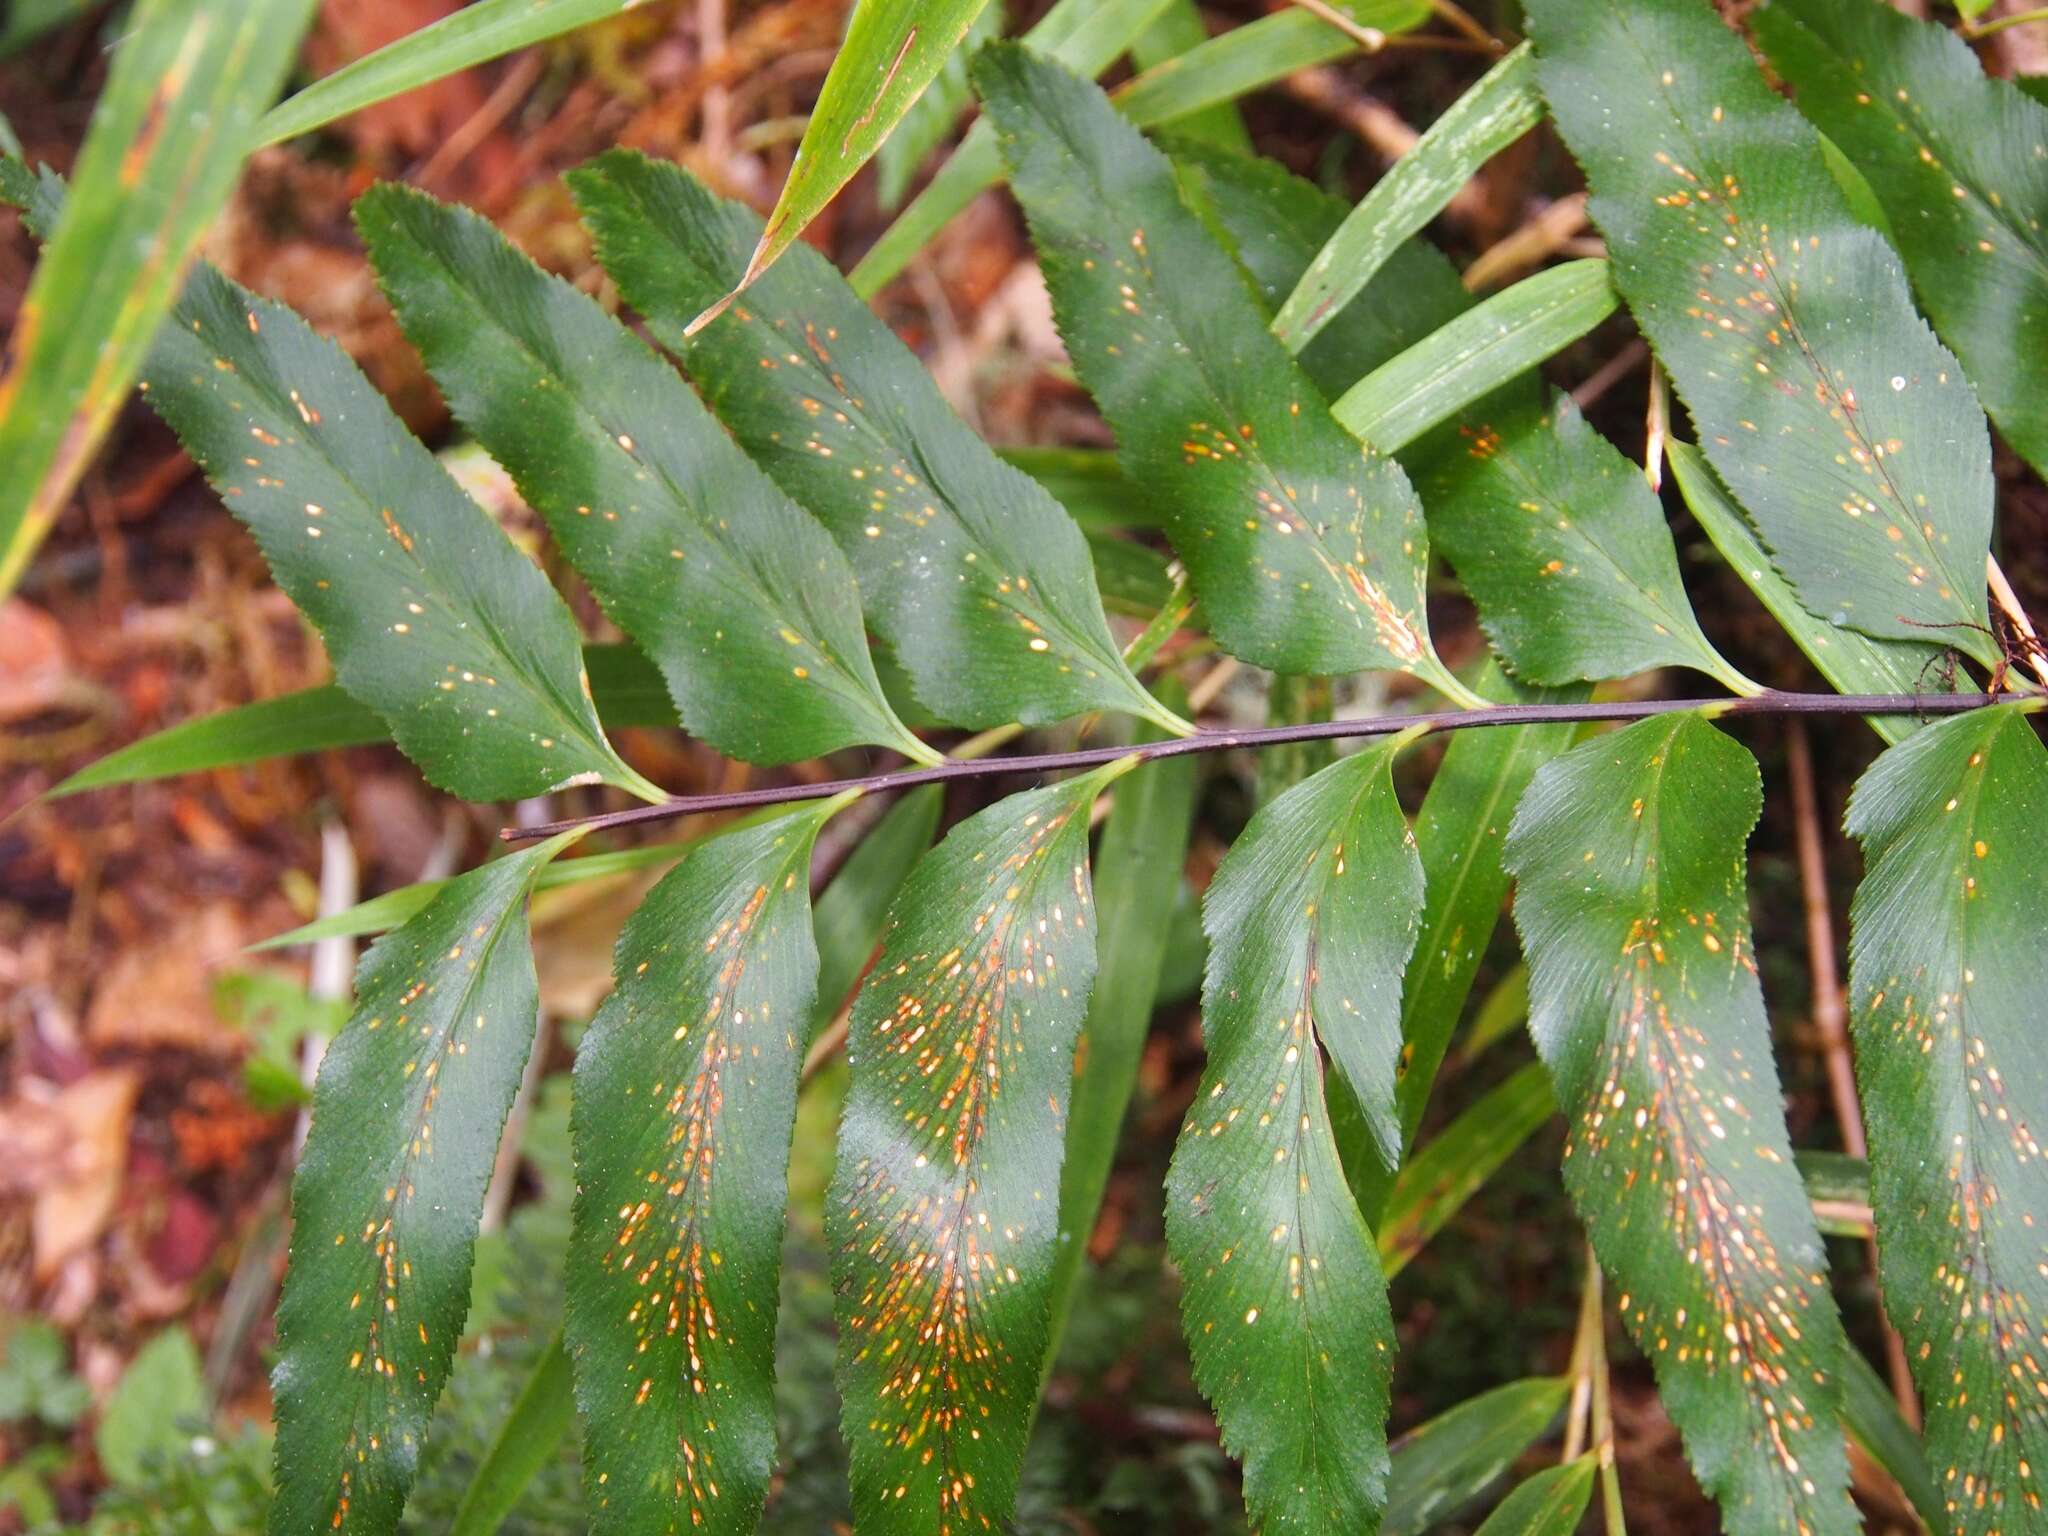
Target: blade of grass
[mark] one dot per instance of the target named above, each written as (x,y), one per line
(1180,29)
(473,35)
(1219,70)
(1437,1182)
(1246,58)
(1476,353)
(893,48)
(1503,106)
(28,20)
(1085,35)
(1137,872)
(166,143)
(524,1444)
(627,688)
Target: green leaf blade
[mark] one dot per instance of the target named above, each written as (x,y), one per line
(1310,921)
(1086,35)
(1946,975)
(1956,160)
(1489,346)
(167,141)
(1645,1006)
(1549,1504)
(1459,831)
(943,1212)
(433,618)
(1180,29)
(475,34)
(685,1101)
(526,1442)
(1821,397)
(932,116)
(1307,553)
(1564,548)
(738,595)
(977,579)
(893,49)
(1437,1181)
(1244,58)
(1502,106)
(1275,222)
(1451,1460)
(410,1102)
(849,917)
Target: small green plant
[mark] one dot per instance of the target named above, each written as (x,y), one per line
(36,1384)
(809,553)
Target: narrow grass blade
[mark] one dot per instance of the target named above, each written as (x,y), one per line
(1086,35)
(933,115)
(1457,1456)
(312,720)
(1871,1415)
(399,906)
(848,918)
(166,143)
(893,48)
(1180,29)
(28,20)
(1138,872)
(627,689)
(1500,108)
(525,1442)
(1491,344)
(1463,820)
(1274,222)
(475,34)
(1220,70)
(1552,1503)
(1435,1184)
(1259,53)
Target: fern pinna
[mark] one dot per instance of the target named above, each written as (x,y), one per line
(773,502)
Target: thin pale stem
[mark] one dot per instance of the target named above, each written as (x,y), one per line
(1371,39)
(2009,601)
(1766,703)
(1976,29)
